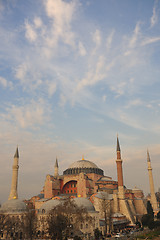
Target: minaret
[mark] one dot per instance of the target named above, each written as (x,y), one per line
(13,192)
(153,196)
(56,168)
(119,171)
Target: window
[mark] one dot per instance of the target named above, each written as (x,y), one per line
(86,225)
(43,210)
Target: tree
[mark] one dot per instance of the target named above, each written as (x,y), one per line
(147,221)
(29,222)
(158,215)
(150,209)
(106,211)
(10,226)
(97,234)
(65,219)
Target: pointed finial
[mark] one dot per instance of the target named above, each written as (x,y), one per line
(16,153)
(148,157)
(118,146)
(56,163)
(82,157)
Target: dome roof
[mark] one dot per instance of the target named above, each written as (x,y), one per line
(104,195)
(48,206)
(84,202)
(14,206)
(84,166)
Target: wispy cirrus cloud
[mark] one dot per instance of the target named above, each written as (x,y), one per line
(62,14)
(4,83)
(30,115)
(154,18)
(150,40)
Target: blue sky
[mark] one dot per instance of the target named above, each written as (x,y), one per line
(73,74)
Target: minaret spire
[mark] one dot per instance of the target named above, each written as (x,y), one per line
(153,196)
(14,185)
(56,168)
(119,170)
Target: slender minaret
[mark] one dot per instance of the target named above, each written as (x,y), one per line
(153,196)
(119,171)
(13,192)
(56,168)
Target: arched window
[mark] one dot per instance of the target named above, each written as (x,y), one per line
(86,225)
(43,210)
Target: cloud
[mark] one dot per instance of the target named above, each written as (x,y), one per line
(30,115)
(94,75)
(135,103)
(38,22)
(134,38)
(5,83)
(30,34)
(82,50)
(154,18)
(51,87)
(150,40)
(62,14)
(109,40)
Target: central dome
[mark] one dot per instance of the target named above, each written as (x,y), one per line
(83,166)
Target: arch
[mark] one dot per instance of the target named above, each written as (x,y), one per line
(70,187)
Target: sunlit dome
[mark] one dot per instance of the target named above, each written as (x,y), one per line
(48,206)
(84,166)
(14,206)
(84,202)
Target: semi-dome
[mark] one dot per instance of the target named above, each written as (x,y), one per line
(83,166)
(48,206)
(14,206)
(84,202)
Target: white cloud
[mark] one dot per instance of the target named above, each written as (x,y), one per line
(62,14)
(30,34)
(104,97)
(109,40)
(5,83)
(135,103)
(51,88)
(150,40)
(154,17)
(97,38)
(94,75)
(37,22)
(21,72)
(82,50)
(31,115)
(134,38)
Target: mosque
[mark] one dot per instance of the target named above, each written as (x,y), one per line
(86,183)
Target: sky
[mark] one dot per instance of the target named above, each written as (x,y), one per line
(73,75)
